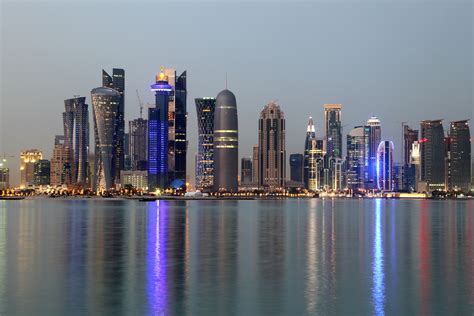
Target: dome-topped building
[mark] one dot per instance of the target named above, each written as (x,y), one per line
(226,143)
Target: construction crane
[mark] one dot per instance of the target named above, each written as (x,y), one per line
(140,103)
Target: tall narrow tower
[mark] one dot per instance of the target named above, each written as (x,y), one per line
(226,143)
(205,108)
(308,147)
(374,137)
(333,129)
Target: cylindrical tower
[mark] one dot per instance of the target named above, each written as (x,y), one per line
(226,144)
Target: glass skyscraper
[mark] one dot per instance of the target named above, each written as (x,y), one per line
(374,136)
(117,82)
(310,136)
(205,108)
(460,156)
(333,129)
(105,106)
(138,135)
(296,167)
(158,134)
(433,155)
(385,171)
(356,154)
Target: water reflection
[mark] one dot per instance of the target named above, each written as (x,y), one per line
(378,289)
(312,263)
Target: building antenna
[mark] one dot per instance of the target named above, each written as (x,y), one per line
(140,103)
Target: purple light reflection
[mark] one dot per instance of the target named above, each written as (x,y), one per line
(156,290)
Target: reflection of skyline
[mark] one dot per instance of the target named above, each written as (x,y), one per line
(378,289)
(312,264)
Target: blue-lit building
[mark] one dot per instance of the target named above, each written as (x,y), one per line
(158,134)
(385,172)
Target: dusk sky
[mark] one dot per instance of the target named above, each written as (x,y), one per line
(397,60)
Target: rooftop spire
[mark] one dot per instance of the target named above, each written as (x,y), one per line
(311,126)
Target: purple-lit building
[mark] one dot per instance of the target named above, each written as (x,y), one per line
(385,178)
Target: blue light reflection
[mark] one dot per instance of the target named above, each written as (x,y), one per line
(378,289)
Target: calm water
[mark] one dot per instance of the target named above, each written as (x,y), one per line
(295,257)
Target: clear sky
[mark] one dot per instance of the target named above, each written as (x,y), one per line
(397,60)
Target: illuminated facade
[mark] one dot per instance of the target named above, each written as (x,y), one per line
(356,157)
(138,141)
(76,137)
(385,174)
(205,108)
(409,137)
(271,144)
(374,135)
(60,168)
(28,158)
(138,179)
(310,136)
(42,171)
(117,82)
(105,105)
(158,134)
(226,143)
(255,164)
(433,155)
(246,170)
(4,174)
(333,129)
(460,156)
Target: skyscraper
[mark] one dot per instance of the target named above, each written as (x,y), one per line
(4,174)
(105,105)
(60,167)
(205,108)
(296,167)
(158,134)
(373,137)
(415,161)
(460,145)
(409,137)
(76,137)
(356,153)
(310,136)
(385,176)
(28,158)
(117,82)
(42,170)
(138,135)
(432,155)
(255,164)
(226,143)
(271,144)
(333,129)
(246,171)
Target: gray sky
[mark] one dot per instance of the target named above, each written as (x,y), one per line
(397,60)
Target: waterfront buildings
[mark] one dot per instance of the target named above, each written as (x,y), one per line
(205,108)
(432,155)
(409,137)
(246,170)
(106,103)
(60,167)
(271,144)
(42,169)
(138,141)
(4,174)
(308,146)
(28,158)
(226,143)
(415,161)
(138,179)
(385,172)
(356,153)
(460,156)
(76,137)
(117,82)
(158,121)
(255,164)
(373,129)
(333,129)
(296,167)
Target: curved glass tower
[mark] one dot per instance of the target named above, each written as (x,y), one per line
(105,105)
(226,143)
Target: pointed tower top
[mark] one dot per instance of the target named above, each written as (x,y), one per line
(311,126)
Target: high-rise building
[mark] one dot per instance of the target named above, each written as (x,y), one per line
(158,120)
(60,167)
(433,155)
(271,144)
(42,171)
(308,146)
(226,143)
(409,137)
(138,179)
(205,108)
(117,82)
(106,103)
(28,158)
(76,137)
(138,136)
(333,129)
(385,175)
(4,174)
(337,177)
(415,161)
(255,164)
(374,136)
(460,156)
(296,167)
(356,153)
(246,170)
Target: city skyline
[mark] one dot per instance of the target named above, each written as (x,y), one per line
(450,101)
